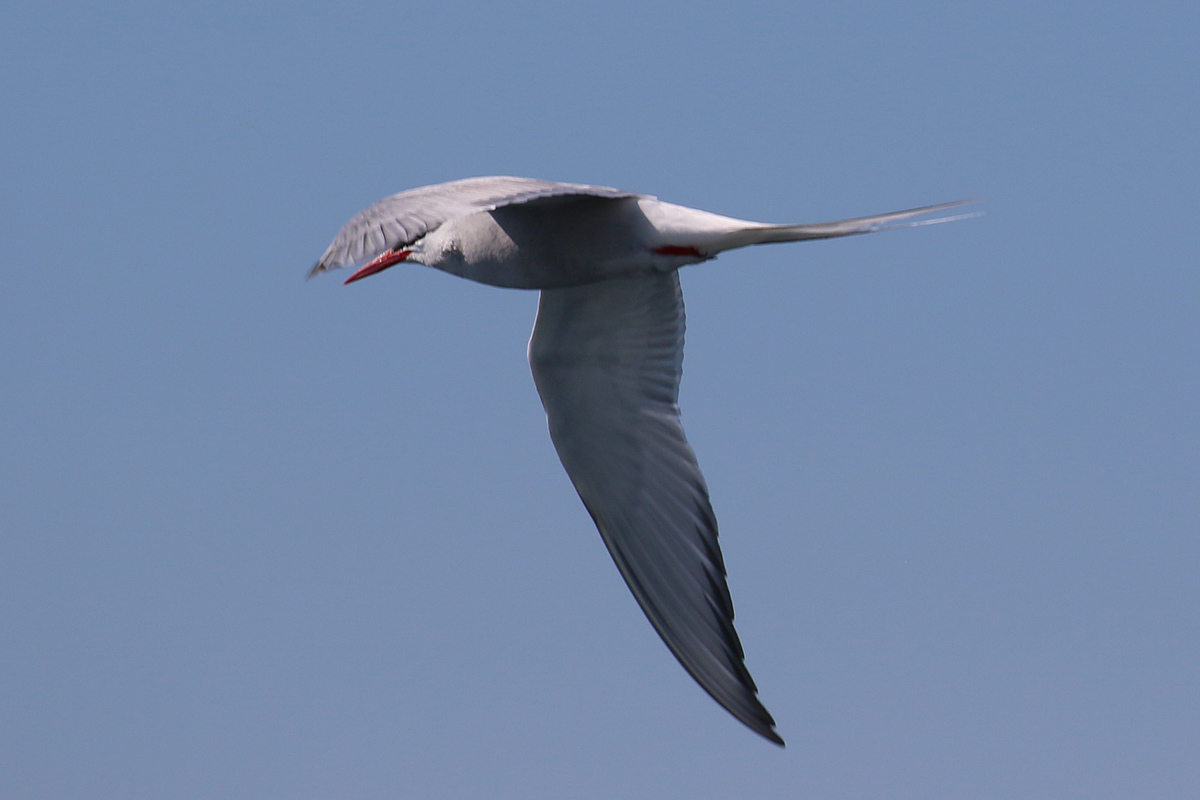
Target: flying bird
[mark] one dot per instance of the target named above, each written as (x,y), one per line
(607,355)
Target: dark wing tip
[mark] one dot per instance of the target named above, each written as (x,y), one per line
(758,720)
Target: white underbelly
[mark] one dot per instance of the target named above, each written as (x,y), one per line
(542,247)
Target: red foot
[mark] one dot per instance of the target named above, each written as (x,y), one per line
(678,250)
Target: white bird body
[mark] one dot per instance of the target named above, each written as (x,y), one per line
(607,356)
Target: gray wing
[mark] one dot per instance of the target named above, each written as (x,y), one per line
(607,358)
(405,217)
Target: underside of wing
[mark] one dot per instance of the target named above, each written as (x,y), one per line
(404,218)
(607,359)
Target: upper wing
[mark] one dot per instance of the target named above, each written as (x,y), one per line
(607,359)
(405,217)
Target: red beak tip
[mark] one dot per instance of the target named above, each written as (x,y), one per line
(390,258)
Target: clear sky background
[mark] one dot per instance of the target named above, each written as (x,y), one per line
(264,538)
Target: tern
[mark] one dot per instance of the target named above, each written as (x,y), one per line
(607,356)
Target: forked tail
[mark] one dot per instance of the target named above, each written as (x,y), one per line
(768,234)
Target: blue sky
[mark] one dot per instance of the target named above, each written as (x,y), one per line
(263,537)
